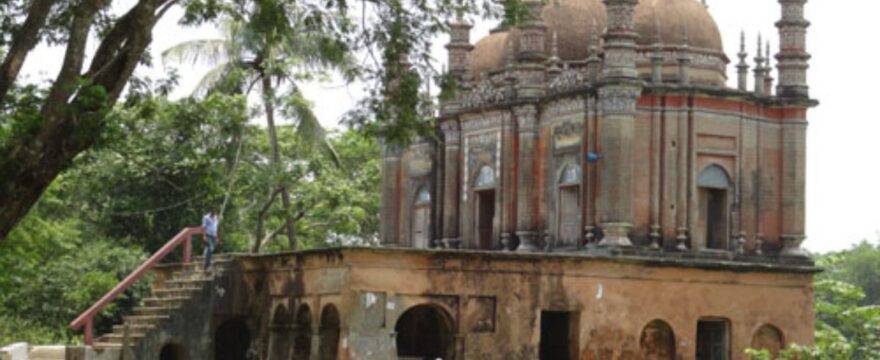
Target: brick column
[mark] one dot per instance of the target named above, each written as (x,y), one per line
(526,222)
(794,138)
(451,187)
(618,95)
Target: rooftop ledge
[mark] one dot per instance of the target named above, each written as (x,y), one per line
(714,260)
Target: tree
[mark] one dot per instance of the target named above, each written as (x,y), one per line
(273,43)
(44,129)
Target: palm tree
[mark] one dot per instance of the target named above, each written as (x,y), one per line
(273,43)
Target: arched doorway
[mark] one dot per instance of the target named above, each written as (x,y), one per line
(302,334)
(425,332)
(770,338)
(484,207)
(232,340)
(657,341)
(280,334)
(329,333)
(172,352)
(713,188)
(421,220)
(568,227)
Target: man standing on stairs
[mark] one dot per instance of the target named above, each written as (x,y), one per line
(210,222)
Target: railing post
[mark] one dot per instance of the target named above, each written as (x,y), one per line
(187,248)
(88,332)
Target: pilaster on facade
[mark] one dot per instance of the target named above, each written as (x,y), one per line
(792,59)
(526,230)
(451,187)
(391,197)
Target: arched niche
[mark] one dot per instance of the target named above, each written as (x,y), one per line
(328,347)
(657,341)
(485,177)
(421,218)
(770,338)
(425,332)
(280,334)
(172,352)
(484,208)
(713,187)
(302,333)
(232,340)
(569,214)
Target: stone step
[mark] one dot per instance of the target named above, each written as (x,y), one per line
(145,319)
(116,338)
(185,283)
(152,310)
(176,292)
(133,328)
(106,346)
(167,302)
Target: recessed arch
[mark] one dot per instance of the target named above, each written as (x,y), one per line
(172,351)
(425,332)
(280,333)
(570,175)
(302,333)
(768,337)
(232,340)
(328,344)
(485,177)
(657,341)
(568,207)
(421,218)
(714,177)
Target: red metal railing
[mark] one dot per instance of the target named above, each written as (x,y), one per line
(85,319)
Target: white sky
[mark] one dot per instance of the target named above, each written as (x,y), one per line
(843,138)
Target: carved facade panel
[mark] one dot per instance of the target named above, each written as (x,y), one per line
(620,99)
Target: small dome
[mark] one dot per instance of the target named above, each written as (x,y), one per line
(576,22)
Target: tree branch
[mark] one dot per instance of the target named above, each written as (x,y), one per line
(23,42)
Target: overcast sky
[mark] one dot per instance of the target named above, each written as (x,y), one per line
(843,171)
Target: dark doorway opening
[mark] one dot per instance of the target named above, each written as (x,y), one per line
(329,336)
(232,340)
(657,341)
(302,334)
(280,335)
(716,221)
(172,352)
(569,216)
(424,333)
(559,333)
(713,340)
(485,218)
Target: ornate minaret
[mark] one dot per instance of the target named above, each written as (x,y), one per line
(759,70)
(617,98)
(532,55)
(532,69)
(594,63)
(743,67)
(792,64)
(792,60)
(459,47)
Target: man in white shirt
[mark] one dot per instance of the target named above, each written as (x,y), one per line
(210,223)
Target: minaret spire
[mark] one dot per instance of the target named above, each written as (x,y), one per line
(743,67)
(759,69)
(768,78)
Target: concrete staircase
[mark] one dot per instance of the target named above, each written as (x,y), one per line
(166,299)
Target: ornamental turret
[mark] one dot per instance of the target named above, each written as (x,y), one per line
(792,61)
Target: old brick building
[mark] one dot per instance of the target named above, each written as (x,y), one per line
(596,192)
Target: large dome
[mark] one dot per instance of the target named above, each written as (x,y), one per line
(575,22)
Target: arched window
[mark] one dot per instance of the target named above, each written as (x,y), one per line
(421,218)
(657,341)
(232,340)
(569,207)
(713,187)
(329,336)
(770,338)
(302,334)
(280,334)
(425,332)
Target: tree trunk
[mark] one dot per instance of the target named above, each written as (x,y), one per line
(269,104)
